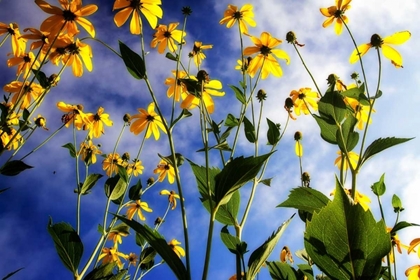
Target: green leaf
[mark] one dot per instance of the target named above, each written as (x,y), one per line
(400,225)
(231,121)
(233,243)
(381,144)
(90,182)
(14,167)
(170,56)
(120,275)
(200,174)
(397,204)
(305,199)
(249,131)
(345,241)
(122,172)
(71,149)
(67,243)
(121,228)
(332,105)
(104,272)
(328,129)
(273,133)
(42,78)
(133,61)
(260,255)
(225,134)
(147,258)
(379,188)
(347,138)
(239,94)
(25,114)
(184,114)
(160,245)
(115,187)
(228,212)
(281,271)
(266,182)
(235,174)
(135,191)
(306,270)
(12,273)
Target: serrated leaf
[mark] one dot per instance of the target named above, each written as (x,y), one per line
(281,271)
(160,245)
(305,199)
(260,255)
(328,129)
(200,174)
(235,174)
(379,187)
(90,182)
(381,144)
(133,61)
(67,243)
(231,121)
(71,149)
(273,133)
(14,167)
(233,243)
(345,241)
(238,94)
(332,105)
(249,131)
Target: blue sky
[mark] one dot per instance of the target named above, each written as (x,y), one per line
(47,189)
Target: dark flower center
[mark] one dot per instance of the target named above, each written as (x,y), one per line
(237,15)
(338,13)
(61,51)
(135,4)
(167,34)
(73,48)
(376,41)
(150,118)
(27,59)
(69,15)
(265,50)
(11,31)
(196,49)
(96,117)
(302,96)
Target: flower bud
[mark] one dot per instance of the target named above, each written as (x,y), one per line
(298,136)
(261,95)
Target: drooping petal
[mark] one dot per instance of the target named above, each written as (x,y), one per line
(363,49)
(121,17)
(87,25)
(281,54)
(393,55)
(328,22)
(135,23)
(119,4)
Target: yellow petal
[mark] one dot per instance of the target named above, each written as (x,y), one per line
(363,49)
(121,17)
(397,38)
(135,23)
(393,55)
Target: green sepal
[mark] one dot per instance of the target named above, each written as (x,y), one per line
(14,167)
(133,61)
(260,255)
(68,244)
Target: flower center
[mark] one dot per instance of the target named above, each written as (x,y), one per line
(69,15)
(73,48)
(265,50)
(135,4)
(150,118)
(97,117)
(237,15)
(26,59)
(11,31)
(302,96)
(167,34)
(376,41)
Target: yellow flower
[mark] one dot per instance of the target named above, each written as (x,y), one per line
(110,255)
(164,168)
(176,87)
(395,241)
(18,43)
(286,255)
(40,121)
(389,52)
(172,195)
(88,151)
(210,87)
(71,13)
(353,158)
(132,259)
(10,138)
(177,249)
(97,121)
(302,98)
(42,37)
(137,207)
(265,60)
(243,16)
(136,168)
(413,272)
(336,13)
(361,112)
(75,112)
(166,36)
(360,198)
(413,244)
(110,163)
(197,52)
(24,63)
(149,8)
(116,237)
(148,120)
(298,145)
(23,94)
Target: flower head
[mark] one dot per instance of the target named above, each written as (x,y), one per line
(10,138)
(132,259)
(166,36)
(36,34)
(353,158)
(361,112)
(148,120)
(413,272)
(286,255)
(110,255)
(97,122)
(165,168)
(137,207)
(172,195)
(176,87)
(71,13)
(265,60)
(74,114)
(110,163)
(23,93)
(18,43)
(135,168)
(88,152)
(177,249)
(149,8)
(197,52)
(243,16)
(25,63)
(336,13)
(40,121)
(302,99)
(378,42)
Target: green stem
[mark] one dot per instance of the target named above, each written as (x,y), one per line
(307,69)
(209,241)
